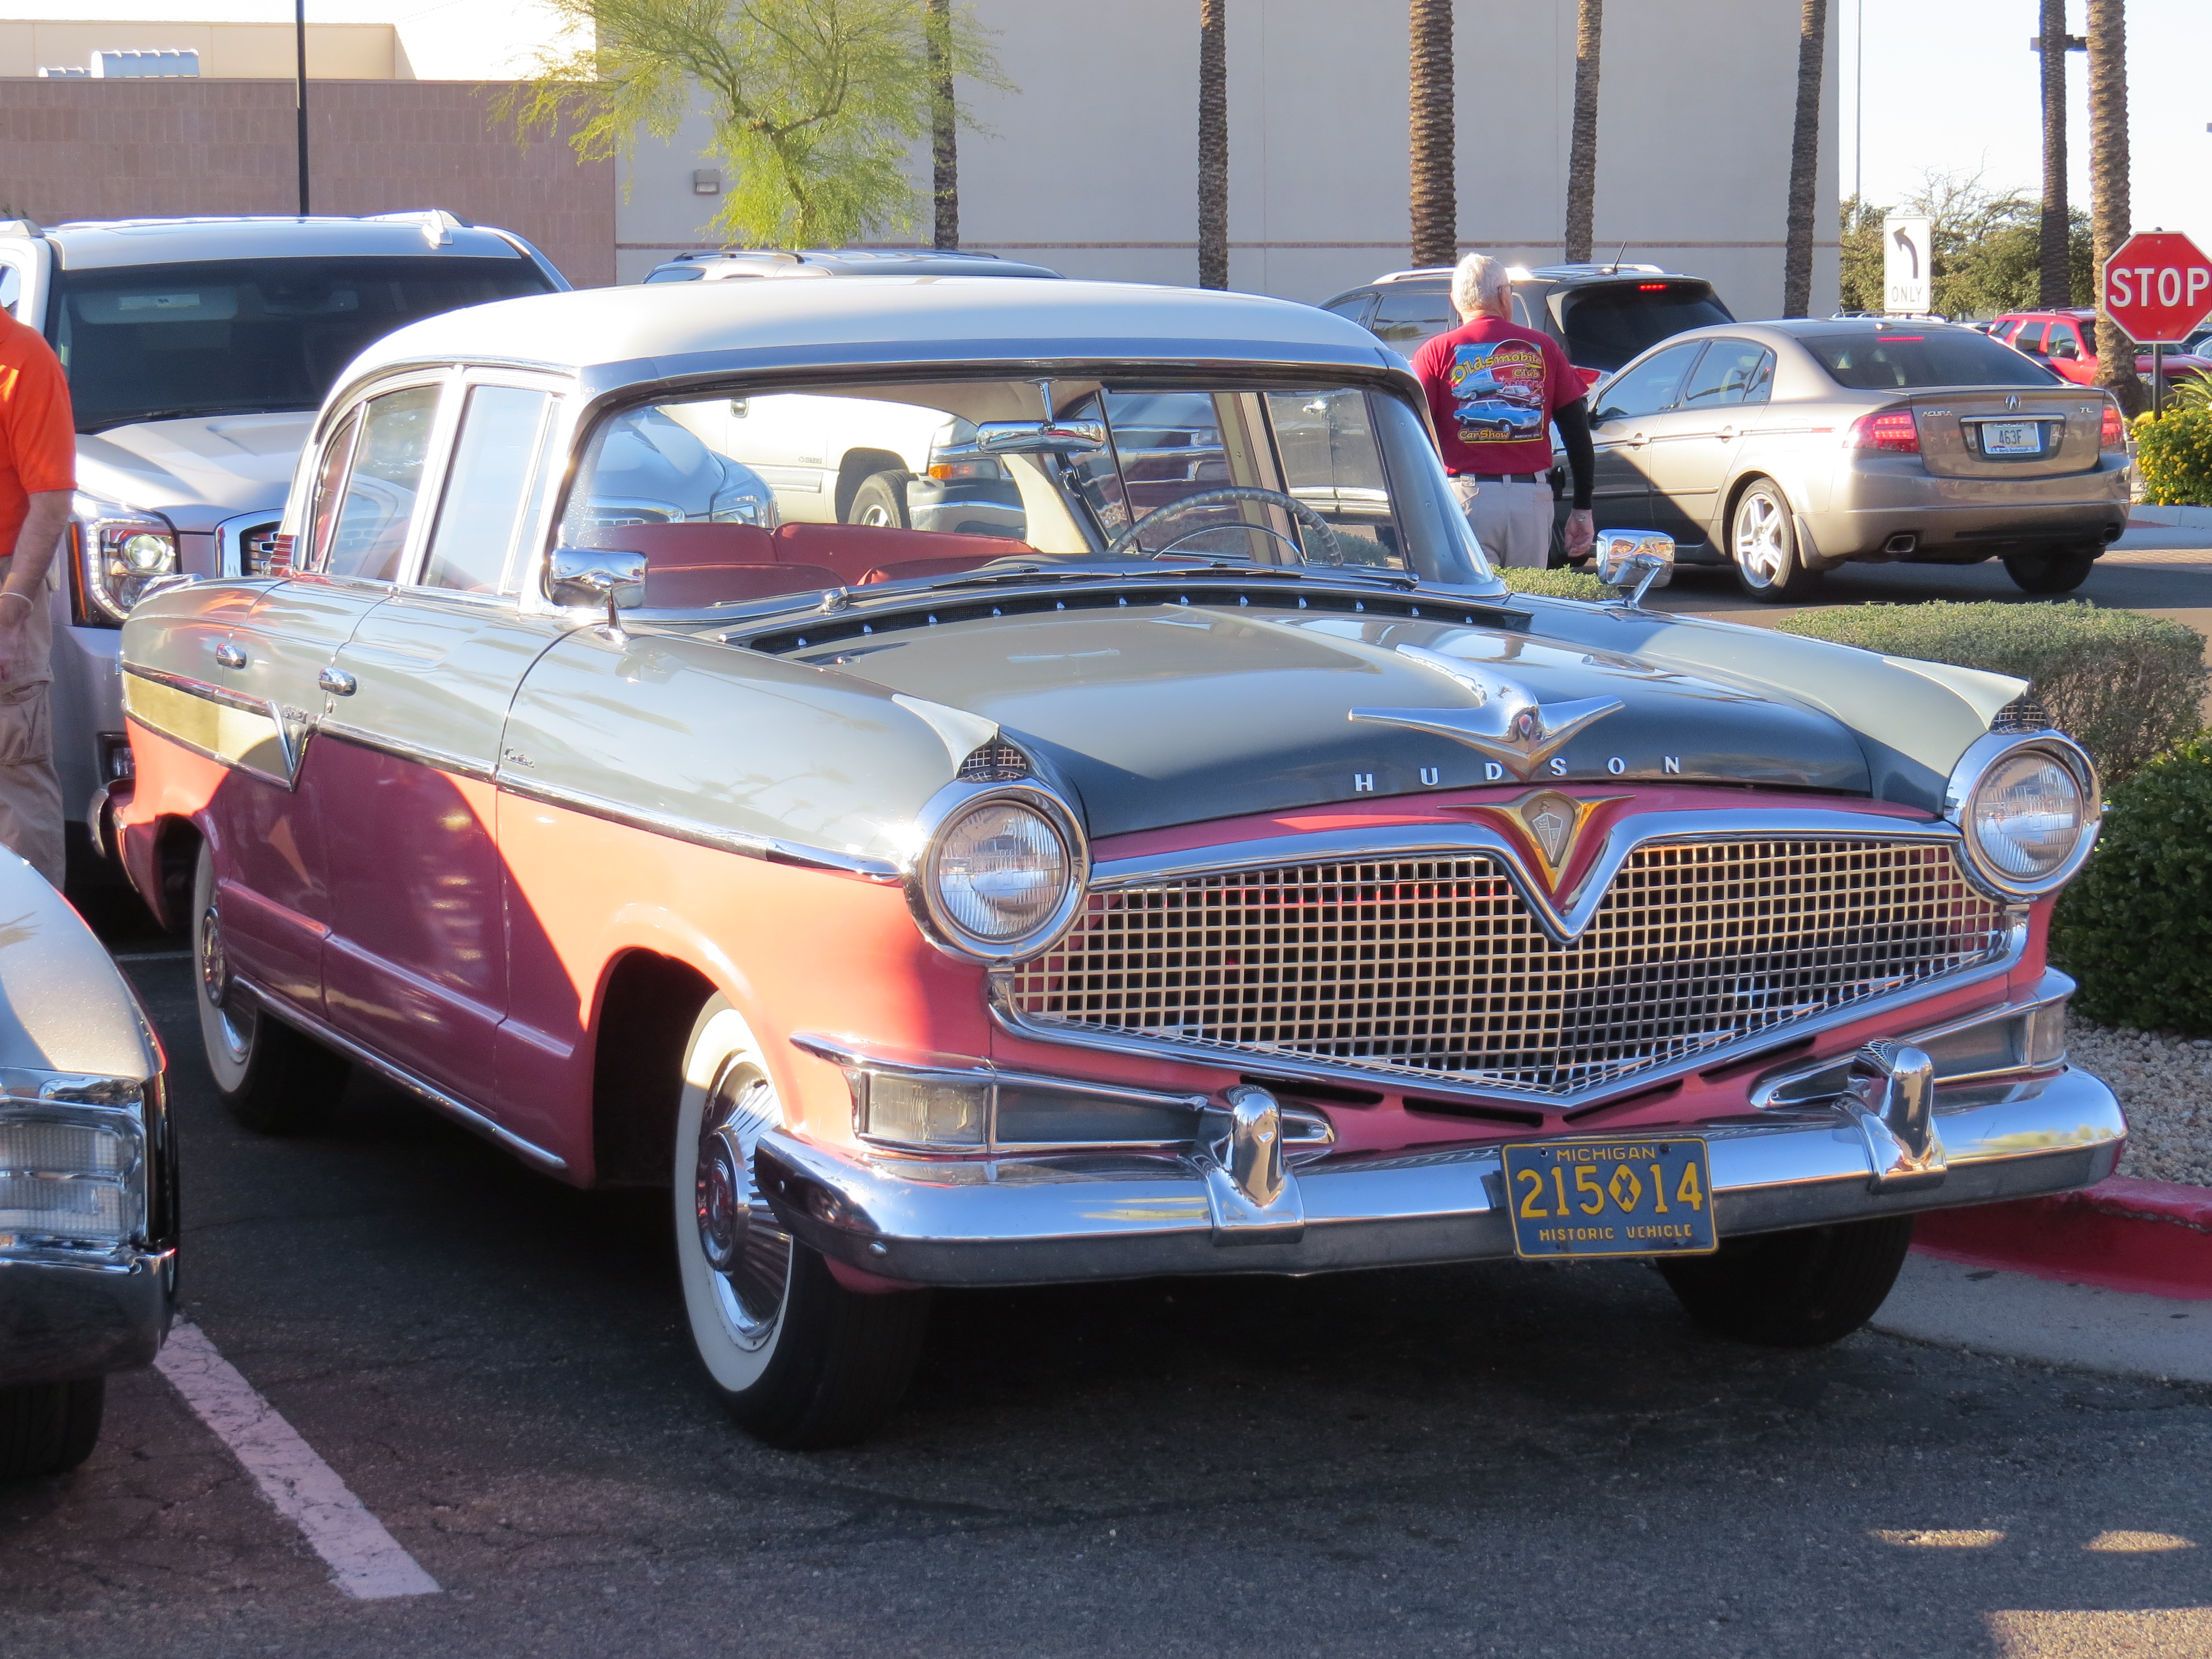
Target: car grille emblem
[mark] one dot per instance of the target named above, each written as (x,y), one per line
(1550,820)
(1505,722)
(2012,400)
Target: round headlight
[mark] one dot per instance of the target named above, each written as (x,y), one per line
(999,871)
(2028,815)
(148,555)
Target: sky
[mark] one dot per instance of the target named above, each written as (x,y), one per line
(1950,85)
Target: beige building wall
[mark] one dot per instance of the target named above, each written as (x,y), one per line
(336,51)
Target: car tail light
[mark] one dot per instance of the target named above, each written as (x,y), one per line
(1892,430)
(2113,435)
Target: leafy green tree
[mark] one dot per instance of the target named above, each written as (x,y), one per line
(1987,254)
(816,104)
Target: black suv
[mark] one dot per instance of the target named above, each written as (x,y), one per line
(1601,315)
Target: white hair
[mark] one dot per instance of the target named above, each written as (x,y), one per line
(1475,279)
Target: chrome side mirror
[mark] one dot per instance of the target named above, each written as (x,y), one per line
(1635,561)
(576,577)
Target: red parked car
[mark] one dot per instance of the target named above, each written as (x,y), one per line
(2066,343)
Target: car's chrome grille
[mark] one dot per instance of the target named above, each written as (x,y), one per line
(1429,966)
(258,547)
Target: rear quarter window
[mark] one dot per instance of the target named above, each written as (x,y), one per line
(1607,327)
(1930,357)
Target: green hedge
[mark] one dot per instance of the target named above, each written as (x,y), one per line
(2173,453)
(1558,584)
(2126,685)
(2135,926)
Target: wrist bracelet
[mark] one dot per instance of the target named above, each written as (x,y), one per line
(10,594)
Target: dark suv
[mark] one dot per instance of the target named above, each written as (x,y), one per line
(1602,315)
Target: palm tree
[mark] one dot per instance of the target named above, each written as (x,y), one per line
(2108,188)
(944,124)
(1435,193)
(1582,149)
(2055,272)
(1804,160)
(1212,143)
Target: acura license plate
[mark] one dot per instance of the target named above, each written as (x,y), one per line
(1584,1198)
(2012,437)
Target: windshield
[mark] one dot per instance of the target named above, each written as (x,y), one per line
(1607,327)
(915,482)
(144,342)
(1887,361)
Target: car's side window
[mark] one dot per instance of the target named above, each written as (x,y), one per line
(11,287)
(492,482)
(2029,340)
(2065,343)
(1651,386)
(1730,371)
(380,490)
(1355,307)
(329,487)
(1405,317)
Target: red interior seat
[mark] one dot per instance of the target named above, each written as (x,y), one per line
(906,568)
(674,588)
(855,551)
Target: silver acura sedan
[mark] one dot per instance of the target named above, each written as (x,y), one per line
(1788,449)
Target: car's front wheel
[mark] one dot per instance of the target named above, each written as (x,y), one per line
(2052,573)
(801,1361)
(880,502)
(1763,540)
(272,1078)
(1795,1290)
(49,1428)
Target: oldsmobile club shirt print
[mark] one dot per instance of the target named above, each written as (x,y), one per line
(1492,386)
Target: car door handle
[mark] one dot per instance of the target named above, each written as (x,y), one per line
(338,682)
(229,655)
(1634,440)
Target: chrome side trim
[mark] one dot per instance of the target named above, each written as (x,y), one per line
(1063,1219)
(215,694)
(1288,1063)
(465,1114)
(191,714)
(1562,922)
(770,848)
(439,760)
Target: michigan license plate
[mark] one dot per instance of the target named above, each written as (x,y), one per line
(2012,437)
(1582,1198)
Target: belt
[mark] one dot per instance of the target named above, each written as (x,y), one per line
(1503,477)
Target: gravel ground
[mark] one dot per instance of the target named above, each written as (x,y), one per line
(2166,1084)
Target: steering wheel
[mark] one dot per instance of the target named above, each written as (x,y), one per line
(1316,529)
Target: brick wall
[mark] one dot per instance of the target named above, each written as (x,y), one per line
(106,149)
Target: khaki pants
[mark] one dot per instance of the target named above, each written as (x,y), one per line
(30,793)
(1513,521)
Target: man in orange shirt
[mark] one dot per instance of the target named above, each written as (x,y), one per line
(38,472)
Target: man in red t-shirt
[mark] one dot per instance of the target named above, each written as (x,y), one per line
(38,472)
(1495,388)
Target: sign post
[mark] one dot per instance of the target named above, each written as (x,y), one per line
(1908,258)
(2158,287)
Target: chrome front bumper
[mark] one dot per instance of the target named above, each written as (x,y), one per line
(66,1314)
(1059,1219)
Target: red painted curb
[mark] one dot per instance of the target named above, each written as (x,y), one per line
(2153,1238)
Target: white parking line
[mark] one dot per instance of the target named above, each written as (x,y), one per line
(365,1560)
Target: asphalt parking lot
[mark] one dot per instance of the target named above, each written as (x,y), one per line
(1480,1461)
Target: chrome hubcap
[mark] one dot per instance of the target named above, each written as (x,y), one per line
(746,1248)
(234,1017)
(876,515)
(1759,546)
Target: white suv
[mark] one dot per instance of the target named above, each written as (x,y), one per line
(197,352)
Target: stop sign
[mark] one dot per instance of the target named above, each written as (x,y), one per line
(2158,287)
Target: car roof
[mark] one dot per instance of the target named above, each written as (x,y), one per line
(1572,276)
(617,336)
(97,244)
(859,262)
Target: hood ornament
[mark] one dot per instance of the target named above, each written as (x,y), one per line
(1505,722)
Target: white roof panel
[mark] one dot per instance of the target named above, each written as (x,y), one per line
(869,317)
(93,244)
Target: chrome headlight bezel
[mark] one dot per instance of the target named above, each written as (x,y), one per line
(946,809)
(1974,768)
(117,552)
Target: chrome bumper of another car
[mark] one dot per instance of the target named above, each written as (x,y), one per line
(1059,1219)
(67,1314)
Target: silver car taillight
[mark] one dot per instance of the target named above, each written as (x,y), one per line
(114,551)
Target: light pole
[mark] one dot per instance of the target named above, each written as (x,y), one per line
(299,93)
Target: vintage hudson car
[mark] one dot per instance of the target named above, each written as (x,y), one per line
(1228,875)
(88,1179)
